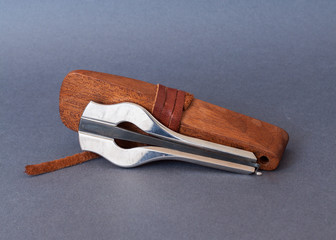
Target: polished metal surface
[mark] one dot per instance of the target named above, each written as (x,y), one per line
(99,127)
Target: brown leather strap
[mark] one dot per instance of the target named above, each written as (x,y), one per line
(168,106)
(175,119)
(54,165)
(160,99)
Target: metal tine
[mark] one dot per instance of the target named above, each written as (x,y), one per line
(137,156)
(113,132)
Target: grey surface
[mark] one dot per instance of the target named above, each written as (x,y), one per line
(272,60)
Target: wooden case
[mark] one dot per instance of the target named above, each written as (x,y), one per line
(200,119)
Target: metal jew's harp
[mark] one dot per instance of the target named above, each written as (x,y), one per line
(99,128)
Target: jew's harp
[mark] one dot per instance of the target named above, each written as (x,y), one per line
(100,126)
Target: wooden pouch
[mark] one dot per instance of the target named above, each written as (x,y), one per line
(199,119)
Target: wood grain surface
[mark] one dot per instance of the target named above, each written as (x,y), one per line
(200,119)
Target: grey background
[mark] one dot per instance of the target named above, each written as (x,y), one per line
(272,60)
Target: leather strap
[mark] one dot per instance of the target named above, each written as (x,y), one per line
(160,99)
(176,117)
(54,165)
(168,106)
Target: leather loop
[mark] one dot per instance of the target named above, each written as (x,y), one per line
(168,106)
(160,99)
(175,119)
